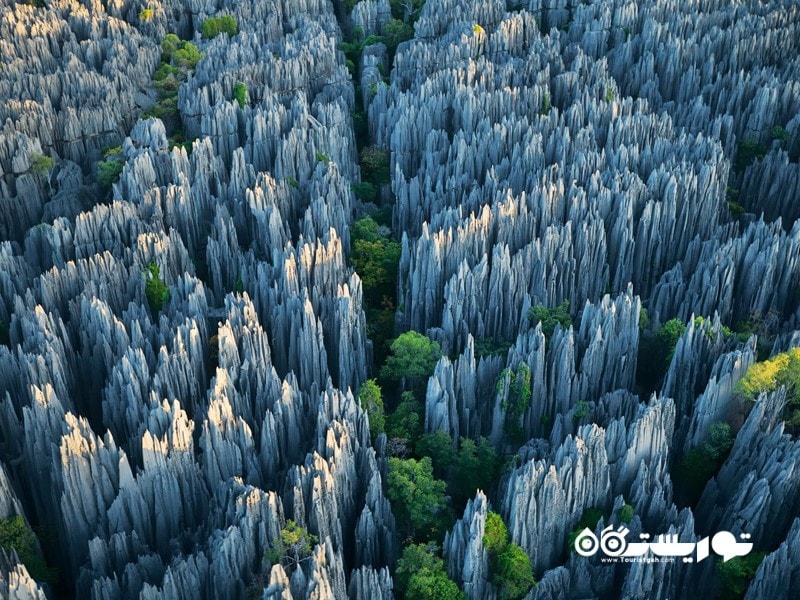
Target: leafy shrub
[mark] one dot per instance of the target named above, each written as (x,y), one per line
(625,513)
(108,172)
(421,575)
(768,375)
(40,164)
(395,32)
(550,317)
(517,400)
(413,359)
(375,257)
(371,400)
(213,26)
(146,15)
(700,464)
(375,165)
(418,499)
(294,546)
(736,573)
(510,567)
(365,191)
(155,289)
(589,518)
(15,533)
(240,94)
(323,158)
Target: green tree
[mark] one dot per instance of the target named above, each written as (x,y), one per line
(475,467)
(371,400)
(40,164)
(240,94)
(213,26)
(405,422)
(375,257)
(365,191)
(495,533)
(668,336)
(418,499)
(550,317)
(412,360)
(155,289)
(509,566)
(439,447)
(146,15)
(517,400)
(294,546)
(15,533)
(625,513)
(736,573)
(420,574)
(375,165)
(395,32)
(108,172)
(702,463)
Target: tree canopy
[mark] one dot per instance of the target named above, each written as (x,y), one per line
(371,400)
(550,317)
(421,575)
(510,567)
(412,360)
(418,500)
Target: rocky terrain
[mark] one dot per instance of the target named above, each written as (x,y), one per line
(596,213)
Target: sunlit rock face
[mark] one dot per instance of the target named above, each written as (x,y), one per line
(182,342)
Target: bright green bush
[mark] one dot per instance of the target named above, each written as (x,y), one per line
(294,546)
(41,164)
(420,575)
(240,94)
(371,400)
(418,499)
(550,317)
(509,566)
(146,15)
(213,26)
(15,533)
(108,172)
(155,289)
(413,359)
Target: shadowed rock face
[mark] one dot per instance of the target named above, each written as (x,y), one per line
(542,151)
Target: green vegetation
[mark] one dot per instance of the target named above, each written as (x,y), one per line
(736,573)
(421,575)
(213,26)
(767,376)
(589,518)
(418,500)
(700,464)
(404,424)
(178,57)
(375,165)
(476,466)
(15,533)
(439,447)
(155,289)
(323,158)
(375,257)
(491,347)
(518,386)
(780,134)
(625,513)
(240,94)
(656,351)
(609,97)
(365,192)
(510,568)
(110,168)
(412,360)
(748,151)
(550,317)
(371,400)
(395,32)
(294,546)
(146,15)
(581,410)
(545,108)
(40,164)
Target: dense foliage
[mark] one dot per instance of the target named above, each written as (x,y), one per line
(418,499)
(702,463)
(155,289)
(213,26)
(420,575)
(371,400)
(510,568)
(412,360)
(15,534)
(550,317)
